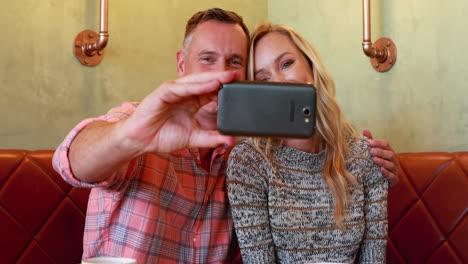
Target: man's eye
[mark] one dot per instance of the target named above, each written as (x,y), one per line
(235,64)
(206,59)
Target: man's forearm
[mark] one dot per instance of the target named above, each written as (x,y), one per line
(98,151)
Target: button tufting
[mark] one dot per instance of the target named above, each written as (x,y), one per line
(427,209)
(428,219)
(42,215)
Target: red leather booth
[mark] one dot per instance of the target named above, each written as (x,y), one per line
(42,217)
(428,209)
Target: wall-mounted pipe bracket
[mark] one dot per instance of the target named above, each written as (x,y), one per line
(383,52)
(88,45)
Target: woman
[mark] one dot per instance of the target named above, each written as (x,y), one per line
(312,200)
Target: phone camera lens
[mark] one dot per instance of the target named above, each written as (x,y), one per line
(306,111)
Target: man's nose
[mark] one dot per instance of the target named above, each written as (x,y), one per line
(221,67)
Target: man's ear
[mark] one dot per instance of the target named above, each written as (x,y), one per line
(180,63)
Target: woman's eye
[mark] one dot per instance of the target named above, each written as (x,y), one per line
(287,64)
(262,78)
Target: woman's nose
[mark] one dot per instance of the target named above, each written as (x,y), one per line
(278,78)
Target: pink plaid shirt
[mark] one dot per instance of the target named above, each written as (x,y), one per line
(158,208)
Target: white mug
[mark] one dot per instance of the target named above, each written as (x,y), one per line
(109,260)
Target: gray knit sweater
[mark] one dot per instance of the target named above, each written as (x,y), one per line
(289,217)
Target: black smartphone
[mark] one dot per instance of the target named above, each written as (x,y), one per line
(251,108)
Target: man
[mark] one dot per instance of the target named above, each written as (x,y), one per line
(157,168)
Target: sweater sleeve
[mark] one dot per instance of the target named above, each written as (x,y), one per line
(373,246)
(248,196)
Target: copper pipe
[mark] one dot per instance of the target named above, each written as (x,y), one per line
(383,51)
(89,46)
(367,42)
(103,35)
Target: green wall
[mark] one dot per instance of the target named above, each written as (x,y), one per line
(419,105)
(45,91)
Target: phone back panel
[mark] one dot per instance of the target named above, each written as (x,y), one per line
(266,109)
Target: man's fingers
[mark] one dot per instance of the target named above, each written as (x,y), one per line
(391,177)
(389,170)
(384,156)
(367,134)
(222,77)
(204,86)
(209,139)
(382,153)
(172,92)
(380,143)
(390,166)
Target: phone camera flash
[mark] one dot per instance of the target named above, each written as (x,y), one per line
(307,120)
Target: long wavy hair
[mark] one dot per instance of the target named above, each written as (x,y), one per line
(331,125)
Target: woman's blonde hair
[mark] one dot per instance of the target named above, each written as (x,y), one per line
(331,125)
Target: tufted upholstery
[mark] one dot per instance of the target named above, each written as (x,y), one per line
(428,209)
(42,217)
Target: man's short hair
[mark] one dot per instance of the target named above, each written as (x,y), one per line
(216,14)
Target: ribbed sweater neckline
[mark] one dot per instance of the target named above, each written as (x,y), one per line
(300,160)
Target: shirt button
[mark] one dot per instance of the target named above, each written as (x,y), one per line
(195,239)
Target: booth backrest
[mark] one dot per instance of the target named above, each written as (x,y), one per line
(428,209)
(42,217)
